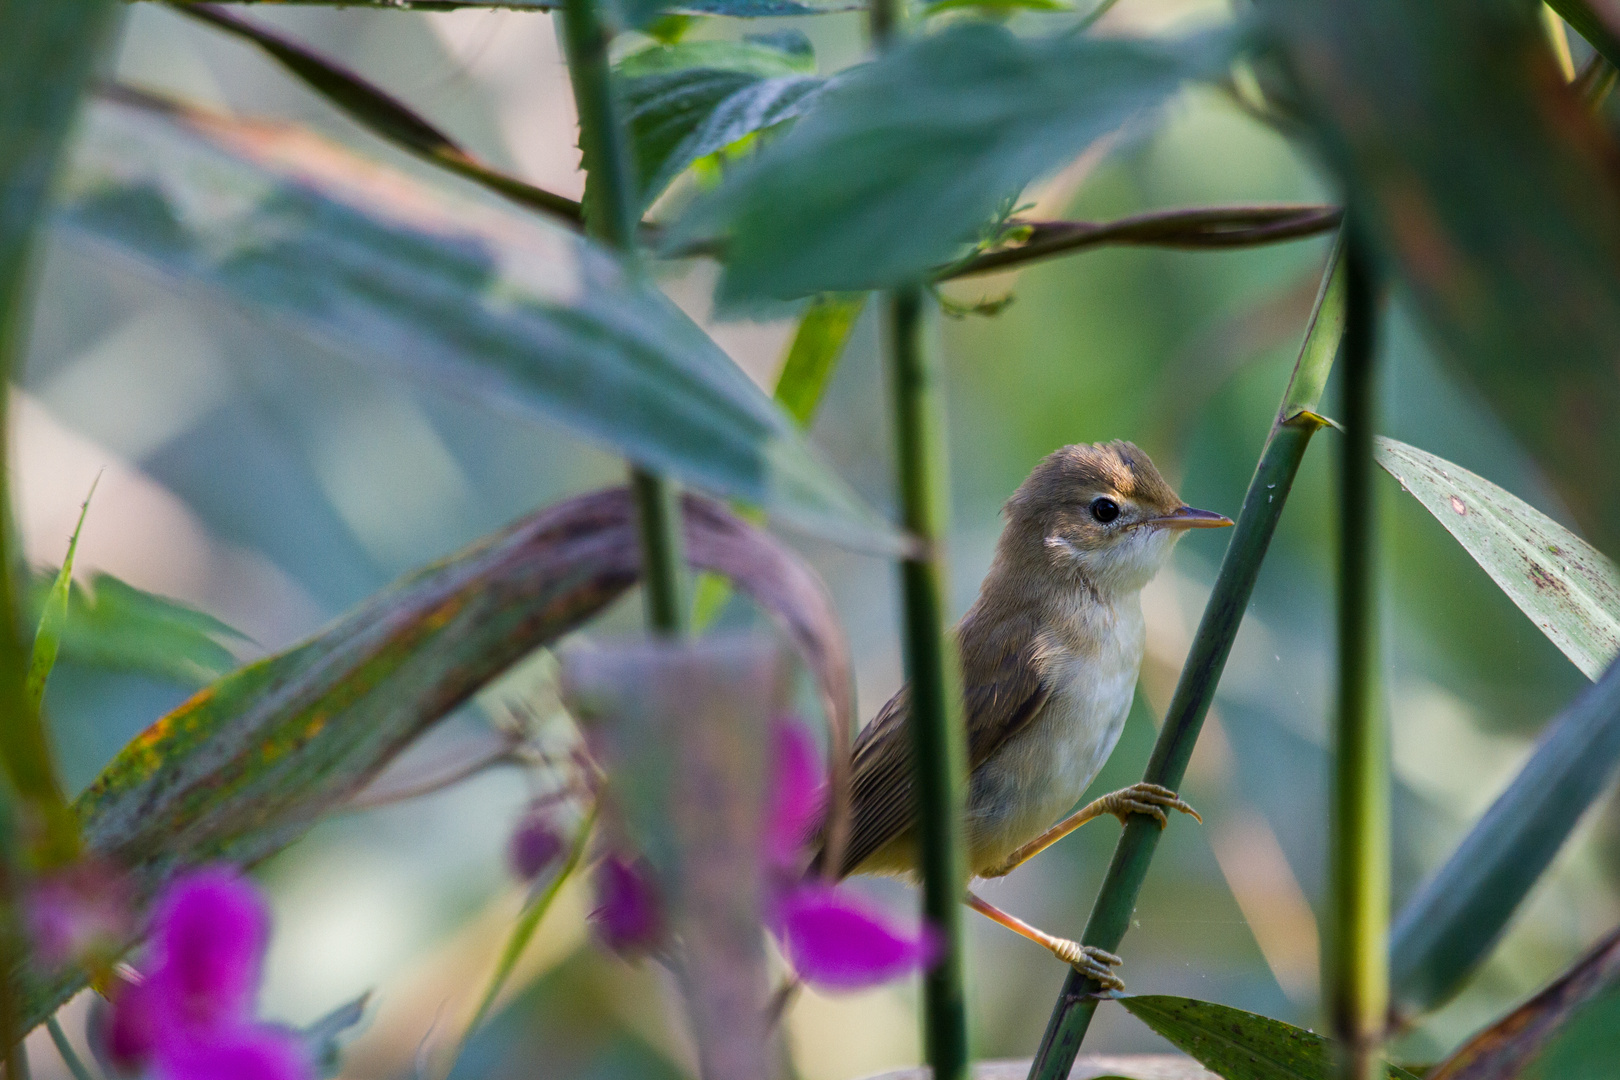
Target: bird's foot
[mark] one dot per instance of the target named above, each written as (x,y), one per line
(1090,961)
(1148,799)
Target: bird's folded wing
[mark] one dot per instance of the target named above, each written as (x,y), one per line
(1005,691)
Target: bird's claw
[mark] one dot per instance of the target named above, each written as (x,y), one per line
(1150,800)
(1092,962)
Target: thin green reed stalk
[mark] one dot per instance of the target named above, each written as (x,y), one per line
(611,213)
(1296,422)
(1357,969)
(932,668)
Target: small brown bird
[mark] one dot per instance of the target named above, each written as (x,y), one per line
(1050,653)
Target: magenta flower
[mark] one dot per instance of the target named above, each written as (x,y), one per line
(832,939)
(535,845)
(190,1015)
(629,915)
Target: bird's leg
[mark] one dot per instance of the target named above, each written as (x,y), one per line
(1085,959)
(1143,798)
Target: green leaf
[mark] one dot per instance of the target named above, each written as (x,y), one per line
(903,159)
(1491,192)
(53,615)
(813,356)
(1590,26)
(746,57)
(1240,1045)
(252,762)
(486,302)
(996,8)
(1568,588)
(676,118)
(1459,914)
(380,112)
(1505,1049)
(115,626)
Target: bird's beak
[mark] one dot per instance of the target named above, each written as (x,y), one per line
(1188,517)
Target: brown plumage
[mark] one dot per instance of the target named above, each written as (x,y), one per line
(1050,654)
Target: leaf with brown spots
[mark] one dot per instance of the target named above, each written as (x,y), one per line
(254,760)
(1568,588)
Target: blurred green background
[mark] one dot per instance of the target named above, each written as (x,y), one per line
(274,484)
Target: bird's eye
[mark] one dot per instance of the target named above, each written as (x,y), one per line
(1104,510)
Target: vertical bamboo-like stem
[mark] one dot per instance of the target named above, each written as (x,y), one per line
(1262,508)
(611,215)
(932,669)
(1357,972)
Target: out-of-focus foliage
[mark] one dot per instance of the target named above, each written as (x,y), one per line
(904,160)
(491,304)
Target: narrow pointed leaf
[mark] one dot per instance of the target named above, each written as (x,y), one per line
(902,160)
(1568,588)
(115,626)
(484,302)
(677,117)
(253,761)
(813,357)
(53,615)
(1503,1050)
(1240,1045)
(1459,914)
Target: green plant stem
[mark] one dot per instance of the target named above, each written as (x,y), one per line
(70,1057)
(610,215)
(1262,507)
(932,671)
(1357,968)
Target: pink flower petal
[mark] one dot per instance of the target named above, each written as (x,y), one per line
(629,915)
(244,1052)
(209,932)
(797,794)
(836,941)
(130,1034)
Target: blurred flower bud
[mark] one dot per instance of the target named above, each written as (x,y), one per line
(535,845)
(77,914)
(629,913)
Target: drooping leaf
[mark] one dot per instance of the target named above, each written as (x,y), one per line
(115,626)
(1504,1049)
(1568,588)
(53,615)
(902,159)
(1459,914)
(484,302)
(380,112)
(1240,1045)
(1491,191)
(675,118)
(251,762)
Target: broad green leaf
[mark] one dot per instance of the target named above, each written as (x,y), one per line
(53,615)
(904,158)
(1584,1047)
(1491,192)
(1240,1045)
(747,57)
(117,627)
(252,762)
(1504,1049)
(1459,914)
(675,118)
(1568,588)
(485,302)
(813,357)
(380,112)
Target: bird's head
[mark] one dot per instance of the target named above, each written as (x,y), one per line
(1102,512)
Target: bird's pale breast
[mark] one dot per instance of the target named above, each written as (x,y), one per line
(1090,657)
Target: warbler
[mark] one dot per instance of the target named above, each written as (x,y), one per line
(1050,653)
